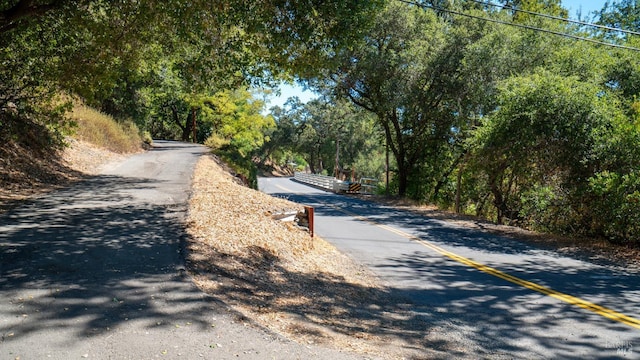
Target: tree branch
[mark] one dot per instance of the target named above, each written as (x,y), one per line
(11,17)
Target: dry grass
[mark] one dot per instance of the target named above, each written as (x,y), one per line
(276,274)
(25,172)
(103,131)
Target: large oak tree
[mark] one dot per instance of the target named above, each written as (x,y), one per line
(105,51)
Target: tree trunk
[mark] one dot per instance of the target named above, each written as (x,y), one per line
(498,201)
(445,176)
(386,168)
(312,164)
(188,127)
(392,129)
(403,179)
(458,190)
(194,114)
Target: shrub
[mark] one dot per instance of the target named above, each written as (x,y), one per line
(243,167)
(618,205)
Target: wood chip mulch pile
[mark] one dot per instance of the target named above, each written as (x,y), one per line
(276,274)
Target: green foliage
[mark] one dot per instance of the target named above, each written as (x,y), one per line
(617,215)
(545,133)
(147,138)
(235,128)
(614,189)
(550,7)
(541,207)
(428,80)
(370,159)
(391,76)
(152,60)
(244,168)
(323,131)
(235,120)
(623,14)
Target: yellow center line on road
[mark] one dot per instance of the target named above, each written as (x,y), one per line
(285,189)
(572,300)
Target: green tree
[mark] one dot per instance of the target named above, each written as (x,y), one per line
(234,119)
(522,9)
(101,50)
(542,136)
(331,135)
(427,79)
(383,73)
(624,14)
(284,136)
(613,198)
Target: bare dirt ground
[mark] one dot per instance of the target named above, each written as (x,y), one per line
(25,173)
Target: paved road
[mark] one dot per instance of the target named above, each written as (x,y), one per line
(96,271)
(491,296)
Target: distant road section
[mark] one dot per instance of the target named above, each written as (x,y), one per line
(494,296)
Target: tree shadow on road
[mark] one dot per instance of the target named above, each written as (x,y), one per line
(452,310)
(91,258)
(463,314)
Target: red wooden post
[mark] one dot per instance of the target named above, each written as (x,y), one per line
(309,212)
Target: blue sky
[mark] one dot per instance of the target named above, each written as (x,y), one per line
(574,6)
(587,7)
(287,91)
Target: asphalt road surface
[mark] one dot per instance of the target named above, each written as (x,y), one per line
(96,272)
(493,296)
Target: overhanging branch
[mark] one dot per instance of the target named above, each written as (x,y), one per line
(11,17)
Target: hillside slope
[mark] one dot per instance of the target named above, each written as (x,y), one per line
(31,161)
(25,172)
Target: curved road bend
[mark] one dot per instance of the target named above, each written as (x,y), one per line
(482,295)
(96,271)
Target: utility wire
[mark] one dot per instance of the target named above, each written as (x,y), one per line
(558,18)
(558,33)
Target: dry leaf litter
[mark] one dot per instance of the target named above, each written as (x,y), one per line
(276,274)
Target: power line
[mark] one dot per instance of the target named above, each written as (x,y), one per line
(558,33)
(631,32)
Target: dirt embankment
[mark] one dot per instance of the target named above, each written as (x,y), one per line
(277,275)
(29,171)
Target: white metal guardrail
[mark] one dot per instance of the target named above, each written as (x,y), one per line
(332,184)
(368,185)
(322,181)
